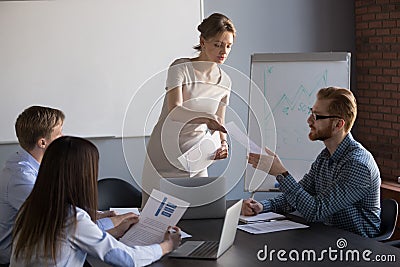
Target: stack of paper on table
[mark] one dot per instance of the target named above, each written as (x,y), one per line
(269,227)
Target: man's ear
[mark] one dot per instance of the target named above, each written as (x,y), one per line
(42,143)
(340,123)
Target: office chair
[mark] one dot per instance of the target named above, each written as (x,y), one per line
(389,212)
(117,193)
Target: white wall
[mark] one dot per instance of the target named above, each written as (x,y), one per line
(90,59)
(263,26)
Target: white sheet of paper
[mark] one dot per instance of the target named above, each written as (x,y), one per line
(245,141)
(185,235)
(125,210)
(242,138)
(261,217)
(202,154)
(136,211)
(160,211)
(269,227)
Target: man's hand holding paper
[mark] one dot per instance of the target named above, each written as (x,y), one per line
(269,163)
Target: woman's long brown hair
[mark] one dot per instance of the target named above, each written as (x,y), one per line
(67,179)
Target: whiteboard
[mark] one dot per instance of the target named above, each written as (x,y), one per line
(90,58)
(289,82)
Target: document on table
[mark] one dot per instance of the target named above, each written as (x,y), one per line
(160,211)
(201,155)
(261,217)
(242,138)
(269,227)
(137,212)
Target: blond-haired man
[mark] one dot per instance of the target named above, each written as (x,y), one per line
(36,127)
(342,187)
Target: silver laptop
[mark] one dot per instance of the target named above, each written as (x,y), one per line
(206,195)
(212,250)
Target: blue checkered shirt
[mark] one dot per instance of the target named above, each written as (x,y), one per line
(342,190)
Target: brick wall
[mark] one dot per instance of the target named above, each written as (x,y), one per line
(378,82)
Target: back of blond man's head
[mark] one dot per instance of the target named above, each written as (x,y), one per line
(36,122)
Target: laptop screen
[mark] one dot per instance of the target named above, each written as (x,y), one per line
(212,249)
(230,226)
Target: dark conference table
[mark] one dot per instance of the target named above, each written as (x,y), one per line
(341,247)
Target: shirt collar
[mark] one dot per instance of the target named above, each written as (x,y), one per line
(340,150)
(28,157)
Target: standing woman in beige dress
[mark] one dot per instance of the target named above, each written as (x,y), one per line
(197,93)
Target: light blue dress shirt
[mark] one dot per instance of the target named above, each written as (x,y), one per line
(88,238)
(16,183)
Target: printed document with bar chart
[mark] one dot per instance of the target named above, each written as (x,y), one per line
(160,211)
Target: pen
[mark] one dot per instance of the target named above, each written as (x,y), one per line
(252,194)
(268,220)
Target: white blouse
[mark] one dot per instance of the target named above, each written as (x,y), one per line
(89,239)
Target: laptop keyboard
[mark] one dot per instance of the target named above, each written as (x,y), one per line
(208,248)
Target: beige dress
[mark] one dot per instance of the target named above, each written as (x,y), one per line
(170,139)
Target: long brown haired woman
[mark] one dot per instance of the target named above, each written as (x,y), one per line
(55,226)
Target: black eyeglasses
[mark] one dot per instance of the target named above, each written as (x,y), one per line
(321,117)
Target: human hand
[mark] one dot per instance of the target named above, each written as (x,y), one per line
(172,239)
(269,163)
(214,124)
(222,152)
(251,207)
(123,226)
(117,219)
